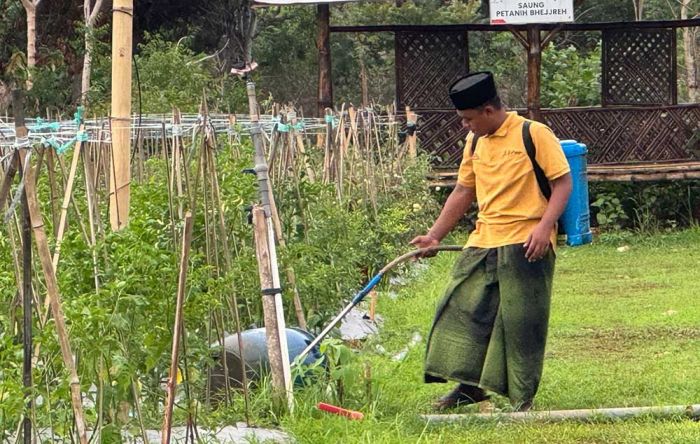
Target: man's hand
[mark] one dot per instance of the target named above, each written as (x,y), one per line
(538,242)
(425,241)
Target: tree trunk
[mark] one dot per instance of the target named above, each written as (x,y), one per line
(90,19)
(323,45)
(30,8)
(690,51)
(87,65)
(638,9)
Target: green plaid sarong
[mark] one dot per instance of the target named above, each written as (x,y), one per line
(490,329)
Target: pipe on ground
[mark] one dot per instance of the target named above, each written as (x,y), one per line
(581,415)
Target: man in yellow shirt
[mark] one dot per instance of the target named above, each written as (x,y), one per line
(490,329)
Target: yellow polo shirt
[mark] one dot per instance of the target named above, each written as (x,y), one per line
(510,201)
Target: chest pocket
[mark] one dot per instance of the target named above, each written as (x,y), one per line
(491,162)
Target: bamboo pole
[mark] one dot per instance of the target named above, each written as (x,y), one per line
(7,181)
(178,159)
(120,174)
(27,318)
(92,209)
(66,201)
(55,303)
(53,192)
(181,288)
(169,188)
(310,174)
(327,146)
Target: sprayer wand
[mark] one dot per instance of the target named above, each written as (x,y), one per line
(370,285)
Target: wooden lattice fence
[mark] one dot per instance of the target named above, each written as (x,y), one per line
(640,120)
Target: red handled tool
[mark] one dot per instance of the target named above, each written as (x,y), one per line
(352,414)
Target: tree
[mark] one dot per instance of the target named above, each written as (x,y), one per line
(690,49)
(30,6)
(91,12)
(638,9)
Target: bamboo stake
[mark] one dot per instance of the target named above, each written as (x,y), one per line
(120,174)
(92,208)
(327,148)
(171,211)
(55,303)
(79,218)
(7,181)
(181,288)
(27,318)
(53,192)
(233,139)
(66,200)
(382,169)
(37,224)
(137,404)
(178,158)
(14,250)
(310,174)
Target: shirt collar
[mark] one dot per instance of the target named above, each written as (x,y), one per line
(507,124)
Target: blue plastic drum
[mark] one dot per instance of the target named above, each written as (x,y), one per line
(257,362)
(576,219)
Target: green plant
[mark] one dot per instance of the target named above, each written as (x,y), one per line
(610,214)
(570,76)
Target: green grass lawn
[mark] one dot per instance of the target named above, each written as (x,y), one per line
(624,331)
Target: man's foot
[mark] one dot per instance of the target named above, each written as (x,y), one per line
(525,406)
(463,394)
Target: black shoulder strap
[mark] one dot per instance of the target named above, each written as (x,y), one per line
(475,139)
(539,174)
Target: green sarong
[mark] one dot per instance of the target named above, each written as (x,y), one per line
(490,329)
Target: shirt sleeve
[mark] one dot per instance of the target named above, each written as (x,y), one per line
(549,154)
(466,176)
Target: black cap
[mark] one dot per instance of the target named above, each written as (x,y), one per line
(473,90)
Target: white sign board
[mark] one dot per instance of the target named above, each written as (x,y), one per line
(511,12)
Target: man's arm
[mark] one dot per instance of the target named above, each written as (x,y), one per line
(456,205)
(538,241)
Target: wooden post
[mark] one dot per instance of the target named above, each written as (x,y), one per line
(323,45)
(267,262)
(272,328)
(181,287)
(534,69)
(120,174)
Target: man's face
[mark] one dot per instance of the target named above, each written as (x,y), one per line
(477,121)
